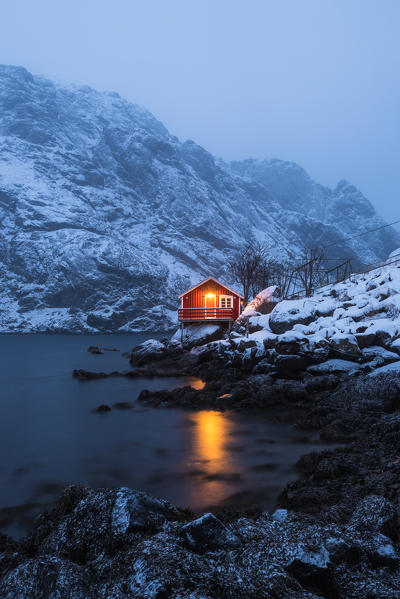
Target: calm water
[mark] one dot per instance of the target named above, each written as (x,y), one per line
(49,436)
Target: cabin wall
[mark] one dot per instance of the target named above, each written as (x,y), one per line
(196,297)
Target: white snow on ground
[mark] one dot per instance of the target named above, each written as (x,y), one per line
(350,323)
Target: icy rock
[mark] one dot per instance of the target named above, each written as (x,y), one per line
(235,335)
(316,350)
(345,345)
(280,515)
(375,351)
(207,532)
(290,342)
(199,334)
(264,302)
(136,510)
(334,366)
(290,312)
(365,339)
(395,346)
(148,351)
(325,308)
(394,367)
(386,331)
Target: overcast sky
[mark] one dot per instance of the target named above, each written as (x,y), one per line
(313,81)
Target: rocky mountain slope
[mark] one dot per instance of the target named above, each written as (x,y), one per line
(106,217)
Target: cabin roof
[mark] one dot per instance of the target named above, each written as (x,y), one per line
(215,281)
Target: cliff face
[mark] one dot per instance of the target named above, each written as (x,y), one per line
(106,216)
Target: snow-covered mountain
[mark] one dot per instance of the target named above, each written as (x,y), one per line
(106,217)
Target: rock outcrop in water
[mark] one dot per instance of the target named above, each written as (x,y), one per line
(106,216)
(98,544)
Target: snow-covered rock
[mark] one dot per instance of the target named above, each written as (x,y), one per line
(334,366)
(393,367)
(198,334)
(376,352)
(291,312)
(263,303)
(207,532)
(106,215)
(148,351)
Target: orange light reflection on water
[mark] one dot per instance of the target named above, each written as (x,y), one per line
(196,383)
(211,457)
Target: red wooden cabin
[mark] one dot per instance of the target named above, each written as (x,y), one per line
(209,300)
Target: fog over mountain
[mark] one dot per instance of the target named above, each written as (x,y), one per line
(106,217)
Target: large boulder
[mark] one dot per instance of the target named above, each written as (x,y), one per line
(136,510)
(151,350)
(264,302)
(334,366)
(376,352)
(99,519)
(344,345)
(288,313)
(311,567)
(199,334)
(255,316)
(207,532)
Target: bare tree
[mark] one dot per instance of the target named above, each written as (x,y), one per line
(283,277)
(249,265)
(310,271)
(255,269)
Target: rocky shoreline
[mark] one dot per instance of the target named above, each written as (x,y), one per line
(335,535)
(330,364)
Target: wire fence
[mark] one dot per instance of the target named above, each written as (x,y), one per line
(295,289)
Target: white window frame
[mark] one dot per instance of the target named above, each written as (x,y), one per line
(226,297)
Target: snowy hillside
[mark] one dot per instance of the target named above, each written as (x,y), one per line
(350,327)
(106,217)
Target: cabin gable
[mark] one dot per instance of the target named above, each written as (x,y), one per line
(210,300)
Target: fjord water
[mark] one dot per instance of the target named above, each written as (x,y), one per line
(50,438)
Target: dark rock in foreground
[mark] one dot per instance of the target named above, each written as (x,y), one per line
(124,544)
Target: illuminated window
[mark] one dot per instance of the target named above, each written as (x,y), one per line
(225,301)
